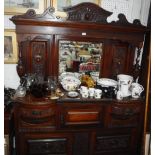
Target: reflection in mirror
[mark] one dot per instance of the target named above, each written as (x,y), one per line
(77,56)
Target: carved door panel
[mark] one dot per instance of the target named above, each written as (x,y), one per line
(46,144)
(38,52)
(114,142)
(117,59)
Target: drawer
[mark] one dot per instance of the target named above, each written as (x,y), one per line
(36,116)
(124,116)
(81,116)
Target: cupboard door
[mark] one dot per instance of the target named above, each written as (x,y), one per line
(46,144)
(38,52)
(118,57)
(112,142)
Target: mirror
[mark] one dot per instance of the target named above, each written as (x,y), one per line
(79,56)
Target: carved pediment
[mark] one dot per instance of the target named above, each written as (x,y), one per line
(87,12)
(81,13)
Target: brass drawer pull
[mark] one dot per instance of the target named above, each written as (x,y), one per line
(36,112)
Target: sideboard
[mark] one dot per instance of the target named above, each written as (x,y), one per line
(67,126)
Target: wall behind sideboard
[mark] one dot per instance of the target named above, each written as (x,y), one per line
(138,9)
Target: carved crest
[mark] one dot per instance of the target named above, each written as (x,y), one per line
(87,12)
(83,12)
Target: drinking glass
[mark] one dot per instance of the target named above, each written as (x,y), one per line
(52,83)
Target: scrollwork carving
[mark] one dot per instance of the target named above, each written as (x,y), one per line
(105,143)
(48,14)
(83,12)
(48,146)
(123,21)
(87,12)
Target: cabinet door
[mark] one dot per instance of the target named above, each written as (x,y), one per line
(37,50)
(46,144)
(118,58)
(112,142)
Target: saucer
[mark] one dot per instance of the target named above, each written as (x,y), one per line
(128,94)
(73,94)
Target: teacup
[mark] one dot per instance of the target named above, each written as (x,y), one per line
(136,90)
(97,93)
(84,91)
(91,92)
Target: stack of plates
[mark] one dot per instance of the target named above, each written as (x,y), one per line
(106,82)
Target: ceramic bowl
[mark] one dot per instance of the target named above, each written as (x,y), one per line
(70,83)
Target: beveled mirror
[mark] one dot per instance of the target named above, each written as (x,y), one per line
(79,56)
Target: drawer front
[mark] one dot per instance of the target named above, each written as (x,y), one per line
(81,116)
(124,116)
(36,116)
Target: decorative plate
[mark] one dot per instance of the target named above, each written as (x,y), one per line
(105,82)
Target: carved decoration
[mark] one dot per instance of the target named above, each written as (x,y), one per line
(107,143)
(83,12)
(48,146)
(48,14)
(20,66)
(38,57)
(119,58)
(87,12)
(123,21)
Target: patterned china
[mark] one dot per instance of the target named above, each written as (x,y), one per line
(105,82)
(70,83)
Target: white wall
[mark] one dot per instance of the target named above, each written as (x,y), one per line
(11,78)
(133,9)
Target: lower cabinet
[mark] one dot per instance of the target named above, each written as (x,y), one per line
(79,129)
(79,143)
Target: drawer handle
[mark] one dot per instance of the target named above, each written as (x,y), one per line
(36,112)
